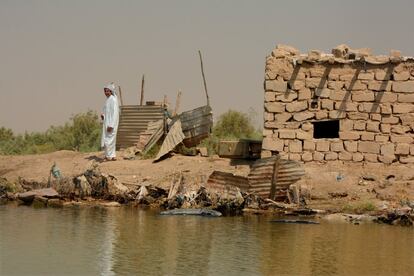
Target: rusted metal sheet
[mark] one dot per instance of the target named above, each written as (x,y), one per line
(260,177)
(133,121)
(243,148)
(196,124)
(174,137)
(227,184)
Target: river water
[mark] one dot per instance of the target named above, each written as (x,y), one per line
(131,241)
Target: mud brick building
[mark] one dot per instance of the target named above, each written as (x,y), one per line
(348,105)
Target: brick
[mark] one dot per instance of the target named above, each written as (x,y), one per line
(287,134)
(274,107)
(366,76)
(402,148)
(327,104)
(386,119)
(382,75)
(337,114)
(337,146)
(346,106)
(367,136)
(322,145)
(323,93)
(373,126)
(402,76)
(318,156)
(357,157)
(345,156)
(403,86)
(336,85)
(295,146)
(302,116)
(282,117)
(272,144)
(349,135)
(399,129)
(358,116)
(355,85)
(368,147)
(270,96)
(304,94)
(403,108)
(276,86)
(297,106)
(321,114)
(380,85)
(345,125)
(371,157)
(382,138)
(363,96)
(330,156)
(360,125)
(307,156)
(401,139)
(309,145)
(406,98)
(287,97)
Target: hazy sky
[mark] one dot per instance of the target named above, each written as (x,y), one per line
(55,56)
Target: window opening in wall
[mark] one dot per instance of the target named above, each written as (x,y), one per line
(326,129)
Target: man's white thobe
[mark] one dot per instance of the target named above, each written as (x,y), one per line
(111,119)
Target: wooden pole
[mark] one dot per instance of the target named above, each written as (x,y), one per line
(120,96)
(204,78)
(141,101)
(177,103)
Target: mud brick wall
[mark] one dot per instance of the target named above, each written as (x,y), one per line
(368,102)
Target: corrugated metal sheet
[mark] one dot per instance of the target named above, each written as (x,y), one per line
(196,124)
(134,120)
(260,177)
(174,137)
(227,183)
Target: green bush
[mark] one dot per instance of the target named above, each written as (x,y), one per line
(81,133)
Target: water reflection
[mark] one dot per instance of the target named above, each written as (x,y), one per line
(124,241)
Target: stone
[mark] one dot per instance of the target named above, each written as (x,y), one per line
(282,117)
(369,107)
(267,132)
(368,147)
(314,83)
(401,139)
(314,55)
(340,51)
(387,159)
(337,114)
(292,125)
(357,157)
(388,119)
(346,106)
(339,95)
(304,94)
(323,93)
(373,126)
(402,148)
(337,146)
(302,116)
(295,146)
(407,119)
(363,96)
(330,156)
(265,153)
(380,85)
(395,53)
(406,98)
(387,97)
(287,134)
(321,114)
(309,145)
(327,104)
(44,193)
(274,107)
(307,156)
(367,136)
(386,109)
(412,149)
(345,156)
(382,75)
(288,49)
(39,202)
(276,86)
(336,85)
(297,106)
(360,125)
(399,129)
(303,135)
(351,146)
(402,76)
(203,151)
(370,157)
(346,125)
(55,203)
(322,145)
(348,77)
(268,116)
(270,97)
(349,135)
(358,116)
(287,97)
(355,85)
(297,84)
(366,76)
(403,86)
(294,156)
(307,126)
(403,108)
(382,138)
(318,156)
(406,160)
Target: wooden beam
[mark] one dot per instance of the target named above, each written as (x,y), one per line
(204,78)
(177,103)
(120,96)
(141,101)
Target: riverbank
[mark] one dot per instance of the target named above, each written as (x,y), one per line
(369,189)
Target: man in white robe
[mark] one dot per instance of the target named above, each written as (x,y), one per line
(110,118)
